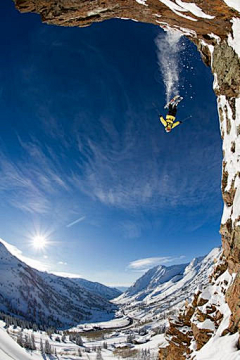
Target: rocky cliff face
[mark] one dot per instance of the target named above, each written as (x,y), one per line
(212,17)
(214,27)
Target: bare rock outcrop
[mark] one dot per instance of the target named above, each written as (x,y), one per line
(214,28)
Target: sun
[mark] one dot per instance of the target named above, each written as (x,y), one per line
(40,238)
(39,242)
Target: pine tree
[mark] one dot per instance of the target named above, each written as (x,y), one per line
(99,355)
(130,338)
(47,348)
(20,339)
(57,338)
(33,345)
(27,343)
(105,345)
(79,340)
(79,352)
(41,347)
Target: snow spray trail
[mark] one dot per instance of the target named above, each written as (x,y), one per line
(168,48)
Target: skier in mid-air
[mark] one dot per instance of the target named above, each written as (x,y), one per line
(169,123)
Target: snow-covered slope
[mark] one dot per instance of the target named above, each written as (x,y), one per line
(9,349)
(45,298)
(98,289)
(153,282)
(163,288)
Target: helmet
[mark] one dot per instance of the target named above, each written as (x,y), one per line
(168,129)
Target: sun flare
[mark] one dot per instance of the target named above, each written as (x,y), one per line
(39,242)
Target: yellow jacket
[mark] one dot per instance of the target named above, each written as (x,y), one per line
(169,122)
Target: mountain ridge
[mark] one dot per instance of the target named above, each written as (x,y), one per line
(164,288)
(97,288)
(45,298)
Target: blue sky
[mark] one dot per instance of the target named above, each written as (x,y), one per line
(85,160)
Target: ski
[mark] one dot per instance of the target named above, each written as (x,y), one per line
(174,101)
(187,118)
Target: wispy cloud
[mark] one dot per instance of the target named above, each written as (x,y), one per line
(113,173)
(76,221)
(29,182)
(122,172)
(131,229)
(147,263)
(126,169)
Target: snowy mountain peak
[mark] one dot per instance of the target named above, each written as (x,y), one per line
(163,288)
(193,264)
(154,277)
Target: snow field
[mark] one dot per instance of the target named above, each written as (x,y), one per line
(220,348)
(115,323)
(179,7)
(194,9)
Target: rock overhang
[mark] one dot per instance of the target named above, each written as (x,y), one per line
(200,18)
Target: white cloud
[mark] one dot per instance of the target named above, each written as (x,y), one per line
(62,263)
(147,263)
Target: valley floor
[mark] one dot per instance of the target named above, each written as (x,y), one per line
(106,343)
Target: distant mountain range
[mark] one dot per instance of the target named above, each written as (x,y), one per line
(52,300)
(164,288)
(122,288)
(98,289)
(48,299)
